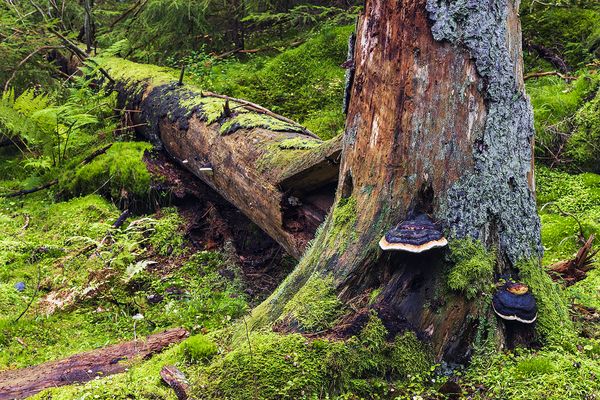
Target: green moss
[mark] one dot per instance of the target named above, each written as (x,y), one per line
(578,195)
(566,29)
(168,234)
(553,310)
(371,355)
(299,144)
(555,108)
(535,366)
(121,69)
(249,121)
(119,173)
(198,348)
(304,84)
(473,266)
(315,306)
(344,219)
(291,366)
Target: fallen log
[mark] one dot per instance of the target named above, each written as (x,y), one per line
(272,170)
(83,367)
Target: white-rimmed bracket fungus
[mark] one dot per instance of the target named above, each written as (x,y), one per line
(514,302)
(415,235)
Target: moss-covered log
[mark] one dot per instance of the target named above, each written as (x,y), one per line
(438,123)
(281,177)
(83,367)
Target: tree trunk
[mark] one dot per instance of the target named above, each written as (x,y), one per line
(438,123)
(279,176)
(83,367)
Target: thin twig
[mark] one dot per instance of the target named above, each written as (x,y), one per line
(566,213)
(538,74)
(256,108)
(125,13)
(120,129)
(25,60)
(22,192)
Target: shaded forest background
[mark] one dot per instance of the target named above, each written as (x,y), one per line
(187,258)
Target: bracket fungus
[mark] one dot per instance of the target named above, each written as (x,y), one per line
(514,302)
(415,235)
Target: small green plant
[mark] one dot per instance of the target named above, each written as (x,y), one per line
(198,348)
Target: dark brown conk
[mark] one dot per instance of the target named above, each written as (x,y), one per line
(514,302)
(415,235)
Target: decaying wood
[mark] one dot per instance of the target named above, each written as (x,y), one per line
(422,125)
(287,192)
(120,220)
(539,74)
(574,270)
(24,192)
(83,367)
(176,379)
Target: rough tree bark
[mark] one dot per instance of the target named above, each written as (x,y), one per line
(438,123)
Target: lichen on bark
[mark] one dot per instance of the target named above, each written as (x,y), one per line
(497,192)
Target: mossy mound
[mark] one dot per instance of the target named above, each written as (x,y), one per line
(292,366)
(582,147)
(119,173)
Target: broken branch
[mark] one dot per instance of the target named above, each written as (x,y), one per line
(538,74)
(255,107)
(22,192)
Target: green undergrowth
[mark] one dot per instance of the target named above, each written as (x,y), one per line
(556,108)
(270,365)
(561,370)
(571,31)
(583,145)
(577,195)
(304,84)
(560,193)
(93,279)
